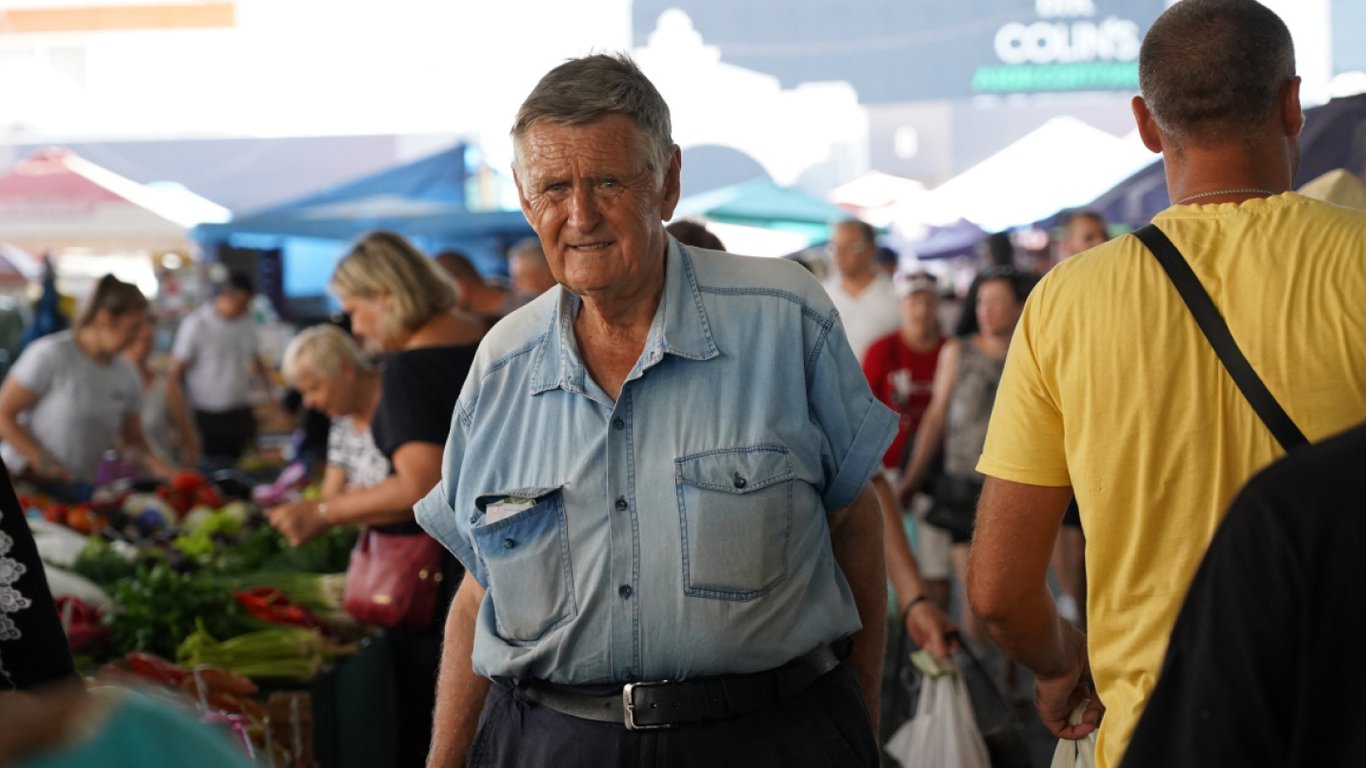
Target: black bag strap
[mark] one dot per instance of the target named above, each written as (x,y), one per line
(1216,331)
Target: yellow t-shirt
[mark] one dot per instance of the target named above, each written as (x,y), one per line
(1110,387)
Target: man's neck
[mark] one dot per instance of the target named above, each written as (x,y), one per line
(854,284)
(920,340)
(1236,172)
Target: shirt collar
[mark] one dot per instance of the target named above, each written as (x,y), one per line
(679,328)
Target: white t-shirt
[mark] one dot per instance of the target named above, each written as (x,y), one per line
(868,316)
(82,404)
(220,354)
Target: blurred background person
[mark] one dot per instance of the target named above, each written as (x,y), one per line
(70,396)
(403,303)
(696,234)
(528,270)
(474,294)
(965,382)
(167,428)
(333,375)
(213,358)
(1081,231)
(861,291)
(900,370)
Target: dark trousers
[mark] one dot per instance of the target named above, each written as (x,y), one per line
(826,726)
(224,435)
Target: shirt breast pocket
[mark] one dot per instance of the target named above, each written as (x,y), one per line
(525,554)
(735,508)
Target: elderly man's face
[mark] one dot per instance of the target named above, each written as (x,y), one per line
(596,205)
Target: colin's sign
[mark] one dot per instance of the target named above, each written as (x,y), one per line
(1069,45)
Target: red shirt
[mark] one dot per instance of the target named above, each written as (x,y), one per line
(903,379)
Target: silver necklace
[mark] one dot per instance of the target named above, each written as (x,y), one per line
(1217,192)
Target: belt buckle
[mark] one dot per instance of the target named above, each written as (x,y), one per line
(629,707)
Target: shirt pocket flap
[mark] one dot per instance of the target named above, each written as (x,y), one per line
(736,470)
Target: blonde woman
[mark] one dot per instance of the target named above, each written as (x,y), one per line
(70,396)
(401,302)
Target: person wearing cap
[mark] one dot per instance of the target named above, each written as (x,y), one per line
(213,358)
(955,421)
(900,370)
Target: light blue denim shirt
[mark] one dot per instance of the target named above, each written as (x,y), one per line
(680,531)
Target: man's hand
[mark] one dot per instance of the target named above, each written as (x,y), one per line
(930,628)
(1057,696)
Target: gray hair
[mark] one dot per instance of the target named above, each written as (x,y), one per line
(528,248)
(1212,70)
(321,350)
(583,91)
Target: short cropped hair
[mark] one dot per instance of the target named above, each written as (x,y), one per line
(386,263)
(696,234)
(583,91)
(865,230)
(1212,70)
(321,350)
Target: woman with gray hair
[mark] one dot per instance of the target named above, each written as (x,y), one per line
(401,302)
(335,377)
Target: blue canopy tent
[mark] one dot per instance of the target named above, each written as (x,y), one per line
(292,248)
(1334,136)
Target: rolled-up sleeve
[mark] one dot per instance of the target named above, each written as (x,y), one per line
(436,512)
(856,428)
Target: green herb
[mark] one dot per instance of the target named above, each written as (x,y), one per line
(157,607)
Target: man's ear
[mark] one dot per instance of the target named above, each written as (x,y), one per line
(673,188)
(1147,126)
(521,196)
(1292,115)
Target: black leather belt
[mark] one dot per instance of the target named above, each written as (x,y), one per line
(667,703)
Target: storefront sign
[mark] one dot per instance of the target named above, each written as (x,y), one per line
(1069,45)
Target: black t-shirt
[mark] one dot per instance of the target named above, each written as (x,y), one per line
(418,390)
(33,647)
(1265,666)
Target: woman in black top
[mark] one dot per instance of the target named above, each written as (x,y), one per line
(33,649)
(402,303)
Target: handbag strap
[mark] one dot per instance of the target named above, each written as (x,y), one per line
(1212,323)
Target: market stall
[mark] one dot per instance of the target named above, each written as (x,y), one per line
(184,587)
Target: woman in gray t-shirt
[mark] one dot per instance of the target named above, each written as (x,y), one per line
(70,397)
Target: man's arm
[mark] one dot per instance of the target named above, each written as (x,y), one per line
(856,538)
(459,691)
(1016,526)
(179,407)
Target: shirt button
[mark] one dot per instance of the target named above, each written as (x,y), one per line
(625,591)
(740,482)
(621,503)
(509,543)
(618,424)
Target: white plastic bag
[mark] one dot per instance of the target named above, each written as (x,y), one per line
(1076,754)
(943,731)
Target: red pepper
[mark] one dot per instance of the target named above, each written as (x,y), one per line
(155,668)
(270,604)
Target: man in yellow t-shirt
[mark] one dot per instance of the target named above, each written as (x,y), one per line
(1111,390)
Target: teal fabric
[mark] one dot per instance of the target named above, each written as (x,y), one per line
(143,731)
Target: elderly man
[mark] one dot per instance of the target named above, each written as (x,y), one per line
(657,478)
(1112,391)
